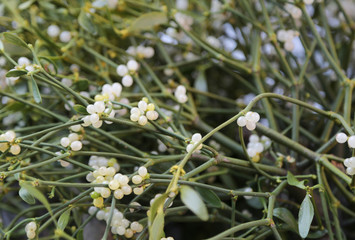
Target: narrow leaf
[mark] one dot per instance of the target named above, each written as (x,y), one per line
(193,201)
(15,73)
(12,38)
(158,202)
(157,227)
(210,197)
(86,23)
(80,109)
(305,216)
(36,93)
(285,215)
(64,219)
(1,46)
(26,196)
(148,21)
(292,180)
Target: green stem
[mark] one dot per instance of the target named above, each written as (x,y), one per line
(263,222)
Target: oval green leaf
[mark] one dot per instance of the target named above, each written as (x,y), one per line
(305,216)
(286,216)
(15,73)
(148,21)
(36,194)
(12,38)
(80,109)
(64,219)
(193,201)
(86,23)
(26,196)
(210,197)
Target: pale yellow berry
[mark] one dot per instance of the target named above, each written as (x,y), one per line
(98,202)
(150,107)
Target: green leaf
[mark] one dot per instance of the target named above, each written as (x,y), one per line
(25,5)
(86,23)
(148,21)
(64,219)
(36,194)
(158,203)
(80,235)
(193,201)
(292,180)
(157,229)
(305,216)
(80,109)
(285,215)
(35,90)
(209,197)
(26,196)
(15,73)
(12,38)
(317,234)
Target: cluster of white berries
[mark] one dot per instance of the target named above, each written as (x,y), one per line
(295,12)
(97,110)
(257,145)
(72,141)
(116,182)
(126,72)
(30,229)
(141,51)
(138,179)
(119,224)
(214,42)
(287,36)
(180,94)
(10,137)
(194,140)
(249,120)
(144,112)
(110,92)
(349,163)
(54,31)
(342,138)
(184,20)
